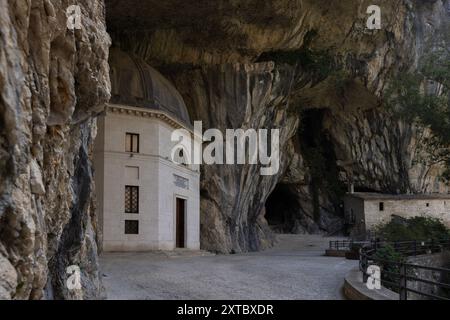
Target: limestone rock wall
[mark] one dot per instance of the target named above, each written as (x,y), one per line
(233,196)
(218,54)
(230,60)
(378,151)
(52,81)
(436,260)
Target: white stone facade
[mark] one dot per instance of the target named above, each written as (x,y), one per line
(160,181)
(367,210)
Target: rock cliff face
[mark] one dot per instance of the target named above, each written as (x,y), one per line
(307,67)
(52,80)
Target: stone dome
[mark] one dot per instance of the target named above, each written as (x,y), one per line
(134,83)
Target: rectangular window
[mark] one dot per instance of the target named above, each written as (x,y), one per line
(131,199)
(131,227)
(381,205)
(132,143)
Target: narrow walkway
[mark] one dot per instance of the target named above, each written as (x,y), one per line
(294,269)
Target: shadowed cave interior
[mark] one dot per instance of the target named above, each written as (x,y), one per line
(282,209)
(290,211)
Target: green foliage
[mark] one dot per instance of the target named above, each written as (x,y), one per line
(416,228)
(388,253)
(398,229)
(423,97)
(320,63)
(436,64)
(410,100)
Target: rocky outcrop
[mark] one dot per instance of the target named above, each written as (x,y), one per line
(307,67)
(432,260)
(233,196)
(239,64)
(52,80)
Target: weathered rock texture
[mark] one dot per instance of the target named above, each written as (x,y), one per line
(52,80)
(308,67)
(435,260)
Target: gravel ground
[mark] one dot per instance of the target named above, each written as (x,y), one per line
(294,269)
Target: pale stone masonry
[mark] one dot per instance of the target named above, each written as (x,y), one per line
(145,201)
(364,211)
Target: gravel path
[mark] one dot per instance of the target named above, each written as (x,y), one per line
(294,269)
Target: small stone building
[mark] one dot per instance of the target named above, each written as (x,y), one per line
(364,211)
(145,201)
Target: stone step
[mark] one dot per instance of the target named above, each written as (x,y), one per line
(187,253)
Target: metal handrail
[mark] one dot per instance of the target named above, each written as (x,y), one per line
(344,244)
(415,246)
(368,251)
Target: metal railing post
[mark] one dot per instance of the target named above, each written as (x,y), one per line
(403,283)
(364,262)
(406,248)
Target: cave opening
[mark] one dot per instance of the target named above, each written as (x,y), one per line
(320,158)
(282,209)
(313,204)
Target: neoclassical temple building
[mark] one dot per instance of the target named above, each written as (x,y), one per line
(145,200)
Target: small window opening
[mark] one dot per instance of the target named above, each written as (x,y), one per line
(132,143)
(131,227)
